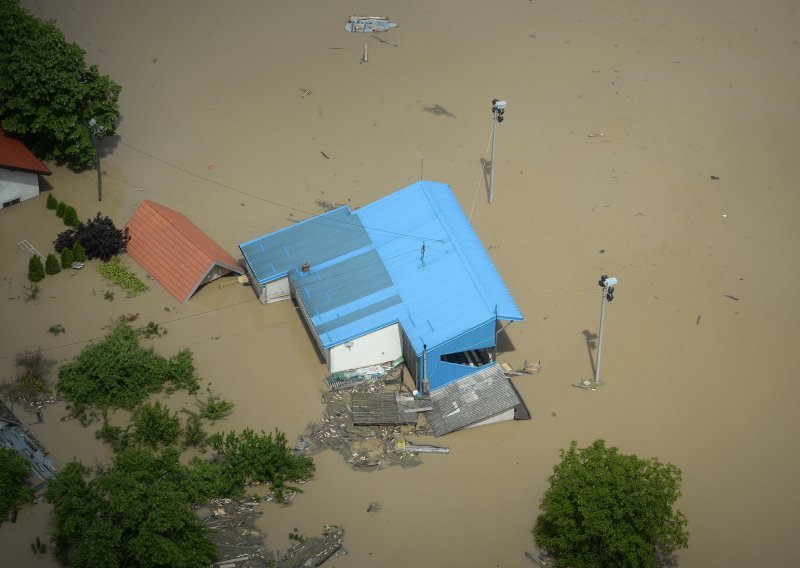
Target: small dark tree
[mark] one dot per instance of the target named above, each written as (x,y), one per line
(35,269)
(604,508)
(67,257)
(78,252)
(71,216)
(51,265)
(48,95)
(99,238)
(52,202)
(60,209)
(14,488)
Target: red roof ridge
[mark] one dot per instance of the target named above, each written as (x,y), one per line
(15,156)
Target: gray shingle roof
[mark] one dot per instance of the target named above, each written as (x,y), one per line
(481,395)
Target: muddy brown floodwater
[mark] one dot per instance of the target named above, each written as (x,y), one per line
(214,125)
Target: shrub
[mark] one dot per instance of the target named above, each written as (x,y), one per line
(99,238)
(51,265)
(214,408)
(193,434)
(35,269)
(66,257)
(78,252)
(71,216)
(60,209)
(52,202)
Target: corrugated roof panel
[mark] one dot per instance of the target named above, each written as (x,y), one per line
(342,283)
(316,240)
(454,286)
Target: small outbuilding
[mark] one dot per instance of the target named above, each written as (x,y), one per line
(403,276)
(174,251)
(19,171)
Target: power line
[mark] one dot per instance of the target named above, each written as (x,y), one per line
(160,323)
(313,216)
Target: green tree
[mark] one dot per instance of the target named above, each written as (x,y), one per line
(262,458)
(155,426)
(78,252)
(47,94)
(52,202)
(51,265)
(14,488)
(118,372)
(61,208)
(71,216)
(66,257)
(135,514)
(604,508)
(35,269)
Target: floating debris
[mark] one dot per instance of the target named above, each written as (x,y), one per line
(368,24)
(731,297)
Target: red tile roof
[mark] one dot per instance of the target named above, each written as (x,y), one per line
(15,156)
(173,250)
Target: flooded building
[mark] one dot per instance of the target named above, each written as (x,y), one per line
(19,171)
(15,436)
(403,276)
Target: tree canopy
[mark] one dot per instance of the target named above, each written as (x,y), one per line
(134,514)
(14,488)
(604,508)
(118,372)
(48,95)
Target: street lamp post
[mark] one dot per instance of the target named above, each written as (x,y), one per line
(607,283)
(94,129)
(498,109)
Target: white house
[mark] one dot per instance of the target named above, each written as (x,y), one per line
(19,171)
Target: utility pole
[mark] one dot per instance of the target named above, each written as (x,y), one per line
(498,109)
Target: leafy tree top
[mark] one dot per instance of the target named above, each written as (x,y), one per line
(605,508)
(118,372)
(136,514)
(47,93)
(14,488)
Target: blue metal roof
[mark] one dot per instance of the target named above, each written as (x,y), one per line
(316,240)
(368,270)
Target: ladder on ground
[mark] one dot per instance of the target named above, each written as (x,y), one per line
(29,249)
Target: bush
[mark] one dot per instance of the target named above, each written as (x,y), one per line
(214,408)
(51,266)
(35,269)
(66,257)
(193,434)
(78,252)
(52,202)
(60,209)
(71,216)
(99,238)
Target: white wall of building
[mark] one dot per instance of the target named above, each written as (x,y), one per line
(278,290)
(17,185)
(377,347)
